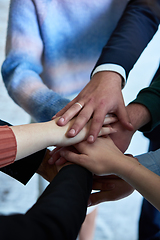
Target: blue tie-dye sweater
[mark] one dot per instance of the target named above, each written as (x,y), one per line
(53,46)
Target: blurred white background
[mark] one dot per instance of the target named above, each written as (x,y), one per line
(116,220)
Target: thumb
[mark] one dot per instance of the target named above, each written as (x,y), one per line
(124,118)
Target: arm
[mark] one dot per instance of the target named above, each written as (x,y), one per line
(23,170)
(134,31)
(144,115)
(30,138)
(23,66)
(103,157)
(151,160)
(150,98)
(103,93)
(36,136)
(58,213)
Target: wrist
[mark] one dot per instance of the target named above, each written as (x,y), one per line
(112,68)
(53,134)
(127,167)
(139,115)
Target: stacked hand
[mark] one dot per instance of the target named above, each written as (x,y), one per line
(102,95)
(99,158)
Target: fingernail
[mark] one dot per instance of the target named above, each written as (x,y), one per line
(72,132)
(61,120)
(91,138)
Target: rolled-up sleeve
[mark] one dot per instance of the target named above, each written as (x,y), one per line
(151,160)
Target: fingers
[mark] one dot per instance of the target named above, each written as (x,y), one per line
(103,184)
(106,131)
(54,155)
(110,118)
(123,117)
(96,124)
(71,155)
(60,161)
(63,110)
(80,121)
(71,110)
(99,197)
(110,190)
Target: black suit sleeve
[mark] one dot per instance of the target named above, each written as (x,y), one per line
(58,213)
(134,31)
(24,169)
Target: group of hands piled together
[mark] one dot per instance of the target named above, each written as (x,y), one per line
(112,132)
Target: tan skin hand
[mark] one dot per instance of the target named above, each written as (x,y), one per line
(110,188)
(102,95)
(47,171)
(139,116)
(122,137)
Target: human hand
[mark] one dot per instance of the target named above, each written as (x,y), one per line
(55,157)
(101,157)
(110,188)
(139,116)
(47,171)
(63,140)
(102,95)
(122,137)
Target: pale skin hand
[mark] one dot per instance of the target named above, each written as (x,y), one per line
(63,140)
(36,136)
(139,116)
(102,95)
(98,157)
(103,157)
(89,153)
(105,130)
(112,189)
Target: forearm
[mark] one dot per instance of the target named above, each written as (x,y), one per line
(33,137)
(151,160)
(59,212)
(139,115)
(132,34)
(150,98)
(143,180)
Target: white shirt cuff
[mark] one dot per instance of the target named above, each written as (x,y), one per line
(113,68)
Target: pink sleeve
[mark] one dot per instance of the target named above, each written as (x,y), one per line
(8,146)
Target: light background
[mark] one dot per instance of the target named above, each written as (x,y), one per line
(116,220)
